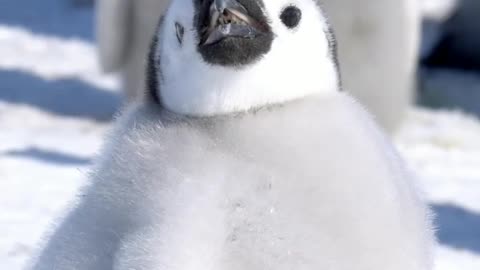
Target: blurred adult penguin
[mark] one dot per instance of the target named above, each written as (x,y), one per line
(124,32)
(378,49)
(377,54)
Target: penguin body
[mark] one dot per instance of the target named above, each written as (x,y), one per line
(247,157)
(301,191)
(314,186)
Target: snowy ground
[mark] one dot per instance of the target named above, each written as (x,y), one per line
(55,106)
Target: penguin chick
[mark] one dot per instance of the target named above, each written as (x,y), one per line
(246,156)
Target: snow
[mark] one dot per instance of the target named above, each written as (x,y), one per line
(437,9)
(56,106)
(443,147)
(53,56)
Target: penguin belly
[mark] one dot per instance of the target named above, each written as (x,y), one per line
(311,185)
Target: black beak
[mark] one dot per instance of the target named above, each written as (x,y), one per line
(228,18)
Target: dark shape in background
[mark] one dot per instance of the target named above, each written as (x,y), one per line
(449,76)
(66,97)
(450,89)
(459,45)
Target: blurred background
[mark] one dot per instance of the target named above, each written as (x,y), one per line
(56,105)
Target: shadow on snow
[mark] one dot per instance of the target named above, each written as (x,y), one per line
(457,227)
(62,18)
(66,97)
(49,156)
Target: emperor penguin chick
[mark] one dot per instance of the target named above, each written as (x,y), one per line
(246,156)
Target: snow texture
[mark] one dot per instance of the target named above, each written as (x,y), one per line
(54,112)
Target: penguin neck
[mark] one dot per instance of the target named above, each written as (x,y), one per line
(212,90)
(224,97)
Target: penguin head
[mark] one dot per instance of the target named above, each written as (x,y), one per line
(216,57)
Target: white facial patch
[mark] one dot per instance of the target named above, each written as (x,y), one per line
(298,64)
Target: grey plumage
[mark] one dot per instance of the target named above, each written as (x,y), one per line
(285,187)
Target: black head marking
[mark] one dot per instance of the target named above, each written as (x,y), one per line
(153,73)
(233,51)
(333,52)
(332,43)
(180,31)
(291,16)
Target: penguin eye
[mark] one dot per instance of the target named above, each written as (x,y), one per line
(291,16)
(179,31)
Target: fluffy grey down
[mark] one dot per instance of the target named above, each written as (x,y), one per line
(309,185)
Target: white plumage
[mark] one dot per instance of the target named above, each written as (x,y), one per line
(298,64)
(304,181)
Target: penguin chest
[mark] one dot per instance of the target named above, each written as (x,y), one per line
(247,212)
(296,188)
